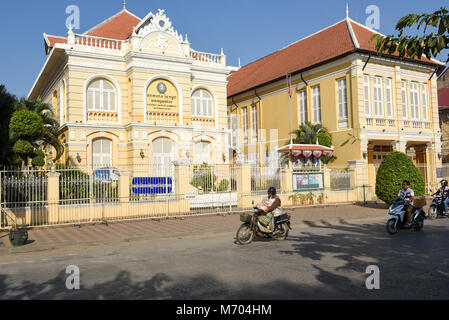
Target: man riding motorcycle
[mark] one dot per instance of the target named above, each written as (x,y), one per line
(274,199)
(444,192)
(408,195)
(272,204)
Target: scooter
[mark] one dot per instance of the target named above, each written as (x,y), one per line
(437,207)
(397,218)
(276,227)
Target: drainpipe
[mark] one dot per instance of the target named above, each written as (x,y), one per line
(369,58)
(259,120)
(302,78)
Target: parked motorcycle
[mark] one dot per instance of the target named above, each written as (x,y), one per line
(277,228)
(437,207)
(397,218)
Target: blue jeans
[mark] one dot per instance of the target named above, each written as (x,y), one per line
(446,202)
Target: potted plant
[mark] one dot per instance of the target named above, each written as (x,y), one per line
(18,236)
(303,198)
(320,198)
(294,198)
(310,197)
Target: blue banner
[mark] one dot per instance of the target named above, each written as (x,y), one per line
(145,186)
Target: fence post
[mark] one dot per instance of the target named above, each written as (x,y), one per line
(243,172)
(123,185)
(53,197)
(286,181)
(327,183)
(182,185)
(359,177)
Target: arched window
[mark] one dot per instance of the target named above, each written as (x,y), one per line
(162,156)
(202,152)
(101,96)
(202,104)
(102,153)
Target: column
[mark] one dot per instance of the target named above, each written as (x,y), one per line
(53,196)
(243,173)
(433,162)
(400,146)
(360,180)
(327,184)
(124,185)
(182,186)
(422,159)
(287,181)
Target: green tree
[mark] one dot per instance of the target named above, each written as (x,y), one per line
(309,133)
(394,169)
(50,134)
(414,46)
(7,102)
(26,125)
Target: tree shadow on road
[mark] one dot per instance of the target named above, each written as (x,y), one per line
(413,266)
(410,262)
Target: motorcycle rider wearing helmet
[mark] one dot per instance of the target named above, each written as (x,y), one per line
(408,195)
(444,192)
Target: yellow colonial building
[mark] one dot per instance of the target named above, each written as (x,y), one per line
(370,104)
(132,91)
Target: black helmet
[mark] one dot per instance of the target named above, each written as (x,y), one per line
(272,190)
(443,182)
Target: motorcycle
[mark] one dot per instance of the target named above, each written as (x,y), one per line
(437,207)
(277,228)
(397,218)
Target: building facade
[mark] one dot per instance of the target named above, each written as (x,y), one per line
(370,104)
(132,91)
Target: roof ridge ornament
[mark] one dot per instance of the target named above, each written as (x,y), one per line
(158,23)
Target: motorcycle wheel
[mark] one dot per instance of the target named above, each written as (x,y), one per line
(419,225)
(245,234)
(391,228)
(283,232)
(433,213)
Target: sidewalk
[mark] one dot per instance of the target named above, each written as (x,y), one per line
(59,237)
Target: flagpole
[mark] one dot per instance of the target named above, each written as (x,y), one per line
(289,109)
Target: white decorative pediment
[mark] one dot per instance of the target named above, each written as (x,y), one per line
(157,23)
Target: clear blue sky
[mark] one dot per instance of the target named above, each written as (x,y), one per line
(249,29)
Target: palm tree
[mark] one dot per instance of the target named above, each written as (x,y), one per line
(51,125)
(309,133)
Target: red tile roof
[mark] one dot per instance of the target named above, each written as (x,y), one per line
(119,26)
(330,43)
(443,99)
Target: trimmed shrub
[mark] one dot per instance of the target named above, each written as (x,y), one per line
(394,169)
(223,186)
(27,125)
(38,162)
(23,148)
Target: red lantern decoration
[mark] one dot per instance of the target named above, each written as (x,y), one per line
(307,153)
(317,153)
(328,153)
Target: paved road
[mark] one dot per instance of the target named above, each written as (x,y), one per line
(325,262)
